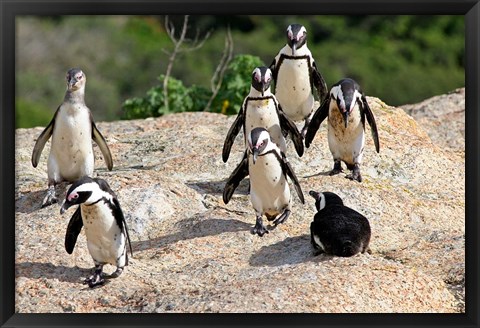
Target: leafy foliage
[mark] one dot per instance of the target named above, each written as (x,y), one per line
(229,99)
(180,99)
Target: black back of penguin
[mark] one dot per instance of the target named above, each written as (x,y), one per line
(337,229)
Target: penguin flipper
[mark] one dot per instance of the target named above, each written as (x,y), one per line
(42,140)
(319,83)
(240,172)
(73,230)
(102,144)
(286,124)
(232,133)
(371,121)
(317,119)
(122,223)
(287,168)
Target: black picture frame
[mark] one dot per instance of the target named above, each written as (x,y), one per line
(11,8)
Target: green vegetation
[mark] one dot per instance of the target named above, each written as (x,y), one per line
(400,59)
(236,85)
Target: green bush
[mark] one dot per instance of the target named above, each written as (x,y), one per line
(235,86)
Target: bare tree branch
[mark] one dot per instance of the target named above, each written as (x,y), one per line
(217,78)
(177,48)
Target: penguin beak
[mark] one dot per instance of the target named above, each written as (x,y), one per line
(65,206)
(263,87)
(314,194)
(255,154)
(294,48)
(71,83)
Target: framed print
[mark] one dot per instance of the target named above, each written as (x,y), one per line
(211,163)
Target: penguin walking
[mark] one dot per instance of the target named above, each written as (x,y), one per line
(105,226)
(346,108)
(337,229)
(261,109)
(268,169)
(296,77)
(72,129)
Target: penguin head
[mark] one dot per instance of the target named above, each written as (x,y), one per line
(326,198)
(258,140)
(85,191)
(296,36)
(75,79)
(346,94)
(261,79)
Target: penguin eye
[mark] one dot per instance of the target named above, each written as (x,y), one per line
(75,196)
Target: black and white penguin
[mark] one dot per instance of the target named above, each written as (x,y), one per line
(296,77)
(268,169)
(72,130)
(337,229)
(261,109)
(346,108)
(105,227)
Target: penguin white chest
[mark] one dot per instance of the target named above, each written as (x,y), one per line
(269,190)
(105,240)
(263,113)
(293,89)
(71,154)
(345,144)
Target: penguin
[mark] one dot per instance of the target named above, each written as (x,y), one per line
(337,229)
(261,109)
(72,128)
(105,226)
(268,169)
(296,77)
(346,108)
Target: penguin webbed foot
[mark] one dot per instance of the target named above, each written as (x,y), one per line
(95,280)
(259,228)
(117,273)
(355,174)
(337,168)
(50,197)
(282,218)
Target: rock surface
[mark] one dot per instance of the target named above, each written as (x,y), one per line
(443,117)
(193,253)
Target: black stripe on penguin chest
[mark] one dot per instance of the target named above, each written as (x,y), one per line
(261,106)
(295,58)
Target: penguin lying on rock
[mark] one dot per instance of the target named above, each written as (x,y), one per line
(268,169)
(261,109)
(296,77)
(72,130)
(105,226)
(337,229)
(346,108)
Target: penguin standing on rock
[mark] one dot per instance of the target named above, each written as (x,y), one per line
(296,76)
(72,130)
(268,169)
(105,226)
(337,229)
(261,109)
(346,108)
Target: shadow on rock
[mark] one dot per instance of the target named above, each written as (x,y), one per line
(293,250)
(326,174)
(194,227)
(216,187)
(36,270)
(31,201)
